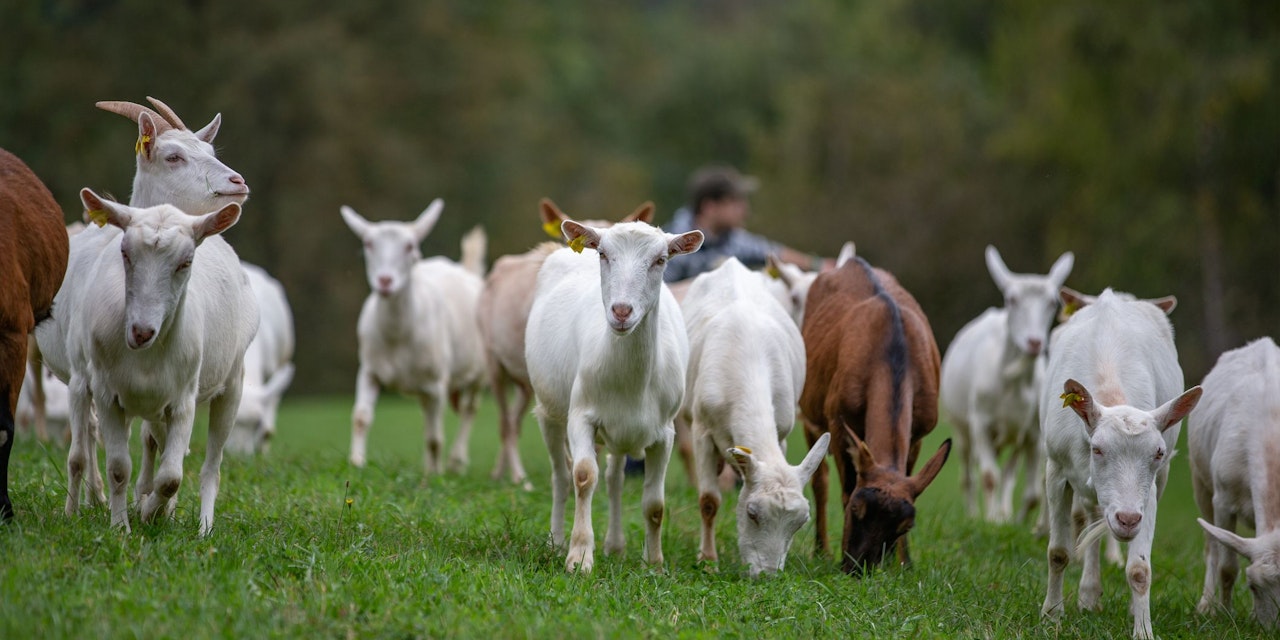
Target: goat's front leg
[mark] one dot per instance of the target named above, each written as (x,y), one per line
(984,454)
(222,417)
(1090,596)
(1058,499)
(146,471)
(511,437)
(614,468)
(582,450)
(362,414)
(653,503)
(115,434)
(708,462)
(81,440)
(459,454)
(173,450)
(432,402)
(1138,570)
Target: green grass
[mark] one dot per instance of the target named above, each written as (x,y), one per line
(463,556)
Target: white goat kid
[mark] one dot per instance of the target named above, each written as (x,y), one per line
(1118,366)
(613,375)
(417,333)
(268,367)
(1234,437)
(154,323)
(990,390)
(746,370)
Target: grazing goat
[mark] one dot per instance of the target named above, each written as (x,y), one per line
(1234,437)
(746,369)
(990,387)
(268,367)
(1116,363)
(152,324)
(33,260)
(502,314)
(417,333)
(613,374)
(871,382)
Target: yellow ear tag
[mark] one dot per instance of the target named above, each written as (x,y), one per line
(552,229)
(578,244)
(773,272)
(1071,308)
(98,217)
(137,147)
(746,450)
(1069,399)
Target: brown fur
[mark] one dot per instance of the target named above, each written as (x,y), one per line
(33,259)
(849,330)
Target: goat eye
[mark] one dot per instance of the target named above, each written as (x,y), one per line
(603,257)
(173,158)
(1097,451)
(185,264)
(660,261)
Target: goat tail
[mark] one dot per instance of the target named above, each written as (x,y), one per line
(1090,535)
(474,246)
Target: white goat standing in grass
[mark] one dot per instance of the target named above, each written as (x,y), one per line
(268,366)
(1234,438)
(417,331)
(990,388)
(1110,443)
(153,323)
(613,375)
(746,370)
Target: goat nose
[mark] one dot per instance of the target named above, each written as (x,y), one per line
(384,282)
(141,334)
(236,179)
(622,311)
(1129,519)
(1033,346)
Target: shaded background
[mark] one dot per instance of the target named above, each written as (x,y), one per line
(1140,135)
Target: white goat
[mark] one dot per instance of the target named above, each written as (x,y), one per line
(502,314)
(54,404)
(268,367)
(417,333)
(1118,366)
(1234,437)
(614,375)
(152,324)
(990,388)
(746,370)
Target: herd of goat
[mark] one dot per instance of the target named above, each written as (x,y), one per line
(146,313)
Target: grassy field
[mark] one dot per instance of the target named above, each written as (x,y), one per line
(464,556)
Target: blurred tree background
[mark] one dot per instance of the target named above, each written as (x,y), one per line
(1140,135)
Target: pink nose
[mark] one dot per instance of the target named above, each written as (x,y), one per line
(141,334)
(236,179)
(384,282)
(1129,519)
(1033,346)
(621,312)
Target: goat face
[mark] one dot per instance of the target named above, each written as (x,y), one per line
(772,506)
(181,168)
(391,248)
(633,256)
(1128,447)
(1030,300)
(1263,572)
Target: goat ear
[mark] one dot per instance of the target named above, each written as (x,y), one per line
(427,219)
(1061,268)
(773,268)
(847,252)
(357,224)
(279,381)
(999,273)
(101,211)
(146,136)
(863,460)
(1072,301)
(643,213)
(744,461)
(1241,545)
(921,480)
(1173,411)
(1167,304)
(214,223)
(817,455)
(684,243)
(1074,395)
(210,131)
(579,235)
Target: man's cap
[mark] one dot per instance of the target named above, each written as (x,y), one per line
(719,182)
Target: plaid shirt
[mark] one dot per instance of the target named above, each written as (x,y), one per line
(750,249)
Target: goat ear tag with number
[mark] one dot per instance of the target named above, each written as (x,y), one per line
(98,217)
(552,229)
(578,243)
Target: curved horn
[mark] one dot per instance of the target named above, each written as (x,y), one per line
(167,113)
(132,110)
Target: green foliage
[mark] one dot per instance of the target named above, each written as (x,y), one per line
(465,556)
(1140,135)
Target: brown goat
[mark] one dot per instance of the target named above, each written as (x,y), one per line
(33,259)
(872,383)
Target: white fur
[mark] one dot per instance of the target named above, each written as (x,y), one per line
(1234,438)
(746,370)
(56,404)
(990,387)
(268,366)
(613,374)
(152,323)
(1111,447)
(417,333)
